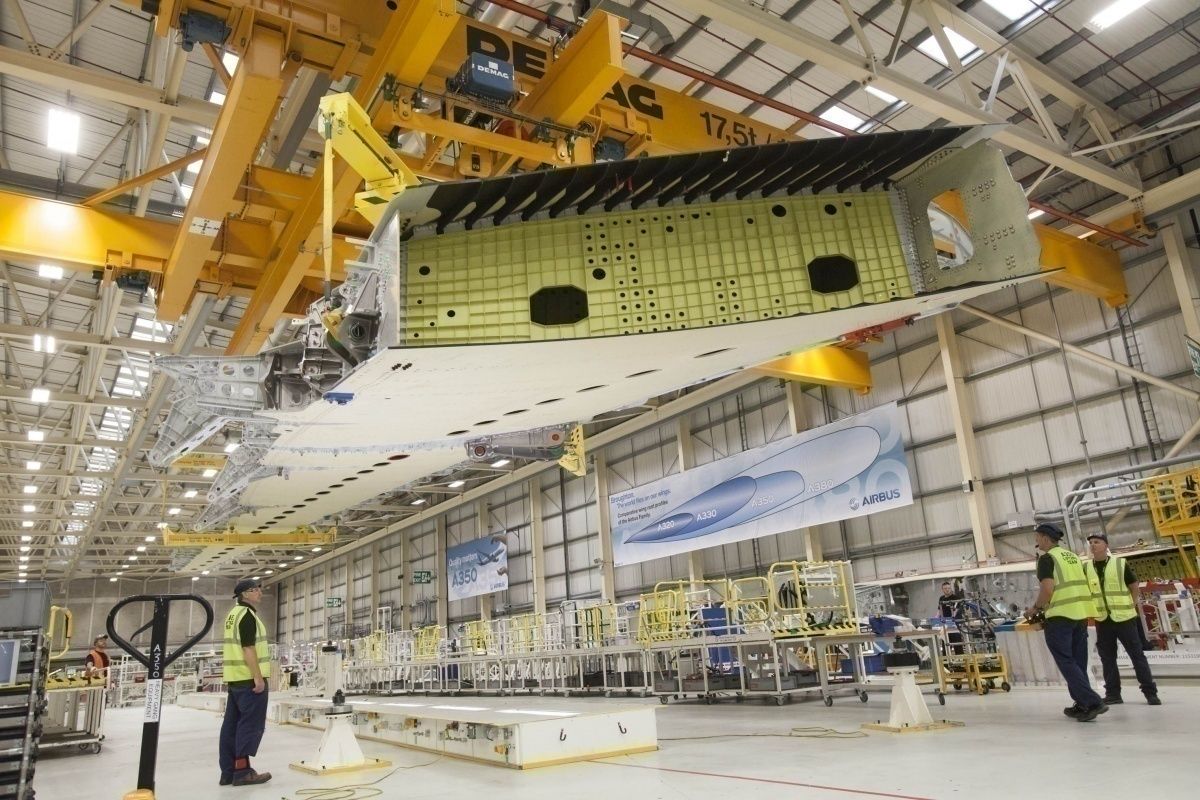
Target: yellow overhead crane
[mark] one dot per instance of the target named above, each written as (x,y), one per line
(254,230)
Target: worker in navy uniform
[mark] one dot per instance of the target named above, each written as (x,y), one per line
(950,604)
(1065,598)
(1111,581)
(95,663)
(246,667)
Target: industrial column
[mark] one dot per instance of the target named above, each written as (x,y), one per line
(687,460)
(798,422)
(608,583)
(964,437)
(406,579)
(537,547)
(1183,274)
(443,588)
(481,530)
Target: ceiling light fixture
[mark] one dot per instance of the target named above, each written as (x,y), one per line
(29,508)
(1114,13)
(29,489)
(112,580)
(316,549)
(33,466)
(195,577)
(269,572)
(420,501)
(283,566)
(24,548)
(40,396)
(26,538)
(62,131)
(203,572)
(36,436)
(173,511)
(882,95)
(189,494)
(149,538)
(209,473)
(51,272)
(503,462)
(298,558)
(141,548)
(28,523)
(133,558)
(455,484)
(43,344)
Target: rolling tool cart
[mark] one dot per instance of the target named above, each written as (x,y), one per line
(24,654)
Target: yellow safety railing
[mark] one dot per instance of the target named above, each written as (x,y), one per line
(428,643)
(750,603)
(662,617)
(57,612)
(1174,501)
(811,598)
(478,636)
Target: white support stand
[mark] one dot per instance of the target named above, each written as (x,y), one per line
(909,712)
(339,750)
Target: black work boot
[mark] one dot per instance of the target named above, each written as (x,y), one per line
(250,778)
(1113,700)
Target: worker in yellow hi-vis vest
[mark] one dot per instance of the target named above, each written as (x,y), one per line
(1066,601)
(1111,581)
(247,665)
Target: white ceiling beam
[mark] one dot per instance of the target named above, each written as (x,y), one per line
(22,396)
(742,16)
(89,19)
(116,89)
(1045,77)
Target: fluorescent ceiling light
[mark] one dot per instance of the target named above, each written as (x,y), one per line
(882,95)
(1115,12)
(268,572)
(298,558)
(62,131)
(23,558)
(190,493)
(840,116)
(209,473)
(1035,213)
(40,396)
(230,447)
(27,538)
(185,191)
(316,549)
(30,489)
(195,577)
(504,462)
(20,580)
(37,436)
(962,48)
(455,484)
(150,538)
(133,558)
(161,526)
(141,548)
(1014,9)
(203,572)
(24,548)
(33,465)
(43,344)
(173,511)
(420,501)
(29,509)
(51,271)
(27,523)
(283,566)
(112,580)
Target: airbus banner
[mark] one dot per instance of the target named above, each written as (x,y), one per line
(849,468)
(477,567)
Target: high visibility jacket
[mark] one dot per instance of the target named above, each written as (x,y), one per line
(99,660)
(1112,598)
(1072,596)
(235,667)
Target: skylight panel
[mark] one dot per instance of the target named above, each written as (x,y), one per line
(1114,13)
(965,51)
(1015,9)
(840,116)
(62,131)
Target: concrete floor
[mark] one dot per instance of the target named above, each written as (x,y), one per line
(1013,745)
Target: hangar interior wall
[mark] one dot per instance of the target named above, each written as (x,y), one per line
(1043,420)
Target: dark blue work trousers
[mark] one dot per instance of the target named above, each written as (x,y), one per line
(1128,633)
(1067,641)
(242,728)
